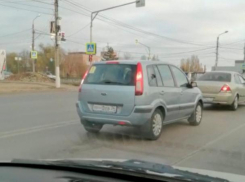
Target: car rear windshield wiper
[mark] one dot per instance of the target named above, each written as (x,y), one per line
(129,166)
(112,82)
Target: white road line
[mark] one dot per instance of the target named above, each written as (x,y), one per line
(190,155)
(36,129)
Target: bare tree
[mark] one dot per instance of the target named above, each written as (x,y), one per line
(109,54)
(191,64)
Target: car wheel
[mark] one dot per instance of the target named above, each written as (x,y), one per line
(153,129)
(92,127)
(196,116)
(234,105)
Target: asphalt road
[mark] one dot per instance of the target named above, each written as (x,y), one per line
(46,126)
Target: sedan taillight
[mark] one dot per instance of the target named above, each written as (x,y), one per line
(226,88)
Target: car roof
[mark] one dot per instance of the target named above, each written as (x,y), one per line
(143,62)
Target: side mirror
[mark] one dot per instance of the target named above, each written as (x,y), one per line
(194,84)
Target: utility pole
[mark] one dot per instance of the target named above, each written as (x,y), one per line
(217,54)
(243,70)
(33,47)
(217,51)
(57,62)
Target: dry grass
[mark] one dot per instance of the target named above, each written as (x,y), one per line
(30,77)
(23,87)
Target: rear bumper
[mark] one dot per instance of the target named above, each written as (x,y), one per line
(139,116)
(220,98)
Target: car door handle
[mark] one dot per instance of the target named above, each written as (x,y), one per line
(162,92)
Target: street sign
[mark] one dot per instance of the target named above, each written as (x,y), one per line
(140,3)
(33,54)
(91,48)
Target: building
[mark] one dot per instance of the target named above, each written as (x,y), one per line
(81,57)
(76,63)
(238,67)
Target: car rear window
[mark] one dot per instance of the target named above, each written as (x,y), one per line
(216,77)
(111,74)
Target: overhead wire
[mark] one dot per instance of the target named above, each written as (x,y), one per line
(25,9)
(28,5)
(131,27)
(15,33)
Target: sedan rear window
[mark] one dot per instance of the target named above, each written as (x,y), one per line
(216,77)
(111,74)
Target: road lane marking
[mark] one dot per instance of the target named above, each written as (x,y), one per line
(190,155)
(36,129)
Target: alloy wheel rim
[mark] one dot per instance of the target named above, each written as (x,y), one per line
(198,113)
(157,124)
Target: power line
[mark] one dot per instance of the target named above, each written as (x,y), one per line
(16,33)
(25,9)
(78,31)
(30,5)
(131,27)
(234,42)
(231,48)
(170,54)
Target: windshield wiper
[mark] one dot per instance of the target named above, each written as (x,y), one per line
(111,82)
(129,166)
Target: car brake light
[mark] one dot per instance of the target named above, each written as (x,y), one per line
(122,123)
(84,76)
(139,80)
(226,88)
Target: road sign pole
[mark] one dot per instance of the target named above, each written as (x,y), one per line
(139,3)
(18,65)
(33,39)
(91,27)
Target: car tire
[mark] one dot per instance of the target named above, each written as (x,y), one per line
(153,129)
(234,105)
(92,127)
(196,116)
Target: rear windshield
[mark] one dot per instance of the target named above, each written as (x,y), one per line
(111,74)
(216,77)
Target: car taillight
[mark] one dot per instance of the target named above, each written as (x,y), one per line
(226,88)
(84,76)
(139,87)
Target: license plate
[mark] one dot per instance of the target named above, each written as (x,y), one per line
(104,108)
(208,99)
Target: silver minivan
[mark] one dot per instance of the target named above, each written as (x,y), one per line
(144,94)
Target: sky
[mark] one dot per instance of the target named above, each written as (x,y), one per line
(173,29)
